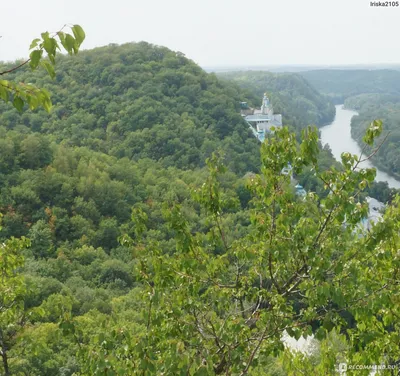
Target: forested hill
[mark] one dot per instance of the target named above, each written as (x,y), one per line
(102,187)
(141,101)
(131,127)
(386,108)
(375,94)
(292,96)
(342,84)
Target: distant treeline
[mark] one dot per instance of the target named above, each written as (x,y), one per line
(342,84)
(386,108)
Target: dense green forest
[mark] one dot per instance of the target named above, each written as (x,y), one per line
(386,108)
(292,96)
(137,101)
(301,105)
(375,94)
(161,239)
(131,126)
(341,84)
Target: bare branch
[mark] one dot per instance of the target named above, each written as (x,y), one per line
(15,68)
(376,150)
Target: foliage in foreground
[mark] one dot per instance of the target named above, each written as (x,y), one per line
(143,308)
(13,316)
(304,266)
(20,93)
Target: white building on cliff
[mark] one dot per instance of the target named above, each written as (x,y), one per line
(262,120)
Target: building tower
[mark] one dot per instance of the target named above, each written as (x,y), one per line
(266,107)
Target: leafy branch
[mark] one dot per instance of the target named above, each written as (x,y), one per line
(43,53)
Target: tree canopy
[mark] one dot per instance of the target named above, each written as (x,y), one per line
(374,94)
(340,84)
(387,108)
(162,240)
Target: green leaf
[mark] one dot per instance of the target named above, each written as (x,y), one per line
(69,43)
(33,102)
(18,103)
(79,34)
(67,327)
(46,103)
(374,131)
(4,93)
(34,43)
(35,57)
(49,68)
(50,46)
(52,59)
(61,35)
(328,324)
(320,334)
(45,35)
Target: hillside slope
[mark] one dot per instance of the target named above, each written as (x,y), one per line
(292,96)
(141,101)
(341,84)
(386,108)
(131,127)
(375,94)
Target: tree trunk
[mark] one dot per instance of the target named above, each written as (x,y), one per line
(4,359)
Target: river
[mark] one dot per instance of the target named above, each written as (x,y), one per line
(338,136)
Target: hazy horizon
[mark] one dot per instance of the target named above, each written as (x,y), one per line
(300,67)
(224,33)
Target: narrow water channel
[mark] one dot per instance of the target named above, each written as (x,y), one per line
(338,136)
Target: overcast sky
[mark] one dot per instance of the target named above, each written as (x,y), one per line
(218,32)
